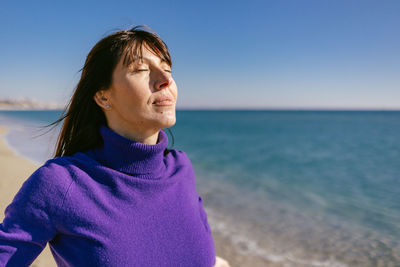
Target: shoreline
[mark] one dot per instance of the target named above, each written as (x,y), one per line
(4,131)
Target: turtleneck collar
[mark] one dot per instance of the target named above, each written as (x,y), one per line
(132,157)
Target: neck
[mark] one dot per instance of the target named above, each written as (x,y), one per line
(148,137)
(132,157)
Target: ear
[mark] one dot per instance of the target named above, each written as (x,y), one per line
(101,98)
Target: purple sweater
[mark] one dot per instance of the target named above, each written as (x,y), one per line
(123,204)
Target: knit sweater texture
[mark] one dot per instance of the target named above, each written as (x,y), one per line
(122,204)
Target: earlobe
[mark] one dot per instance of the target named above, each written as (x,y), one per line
(101,100)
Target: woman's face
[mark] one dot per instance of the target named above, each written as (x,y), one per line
(142,96)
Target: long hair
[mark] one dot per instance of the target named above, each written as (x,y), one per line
(82,116)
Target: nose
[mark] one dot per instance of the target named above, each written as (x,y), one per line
(163,80)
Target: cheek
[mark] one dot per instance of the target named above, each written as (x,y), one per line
(130,96)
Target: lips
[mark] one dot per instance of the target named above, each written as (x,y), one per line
(163,101)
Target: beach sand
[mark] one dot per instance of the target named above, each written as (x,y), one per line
(14,171)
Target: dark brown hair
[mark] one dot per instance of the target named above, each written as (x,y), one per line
(82,116)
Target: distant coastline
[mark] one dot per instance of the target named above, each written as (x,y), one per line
(28,104)
(31,104)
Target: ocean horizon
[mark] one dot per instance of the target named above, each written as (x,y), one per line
(300,187)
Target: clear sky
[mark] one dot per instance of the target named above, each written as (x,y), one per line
(226,54)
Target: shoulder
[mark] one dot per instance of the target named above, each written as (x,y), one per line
(52,179)
(179,162)
(43,191)
(57,170)
(179,157)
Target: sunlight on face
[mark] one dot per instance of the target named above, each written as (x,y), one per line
(142,95)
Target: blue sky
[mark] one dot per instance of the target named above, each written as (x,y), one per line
(226,54)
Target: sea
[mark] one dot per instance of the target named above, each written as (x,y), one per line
(291,187)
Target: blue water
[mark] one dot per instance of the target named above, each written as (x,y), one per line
(295,185)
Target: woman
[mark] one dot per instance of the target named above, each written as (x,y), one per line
(114,195)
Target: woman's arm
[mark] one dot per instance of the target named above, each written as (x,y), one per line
(28,224)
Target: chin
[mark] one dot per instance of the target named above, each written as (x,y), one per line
(167,121)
